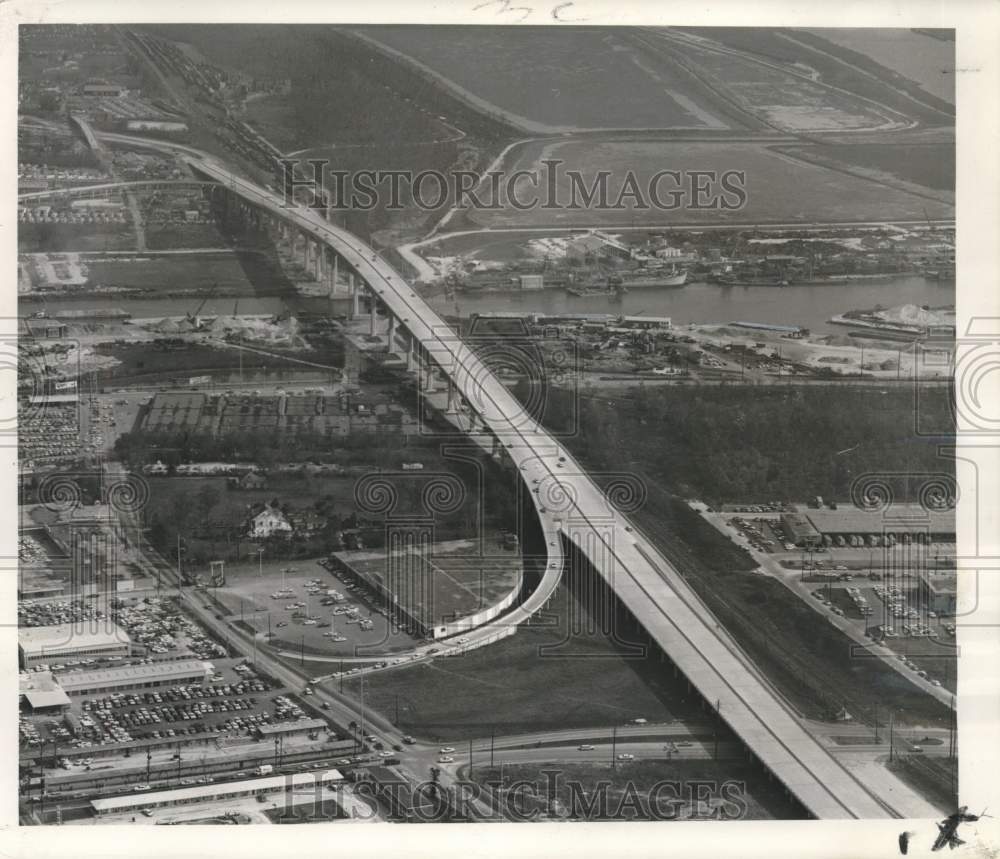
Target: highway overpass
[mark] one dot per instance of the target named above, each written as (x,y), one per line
(570,504)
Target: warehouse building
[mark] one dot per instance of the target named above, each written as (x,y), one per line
(41,694)
(296,782)
(137,677)
(800,530)
(38,645)
(937,591)
(298,728)
(901,520)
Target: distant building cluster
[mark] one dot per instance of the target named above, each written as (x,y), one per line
(285,413)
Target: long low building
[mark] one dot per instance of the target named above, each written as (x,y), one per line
(292,729)
(211,792)
(136,677)
(898,519)
(40,645)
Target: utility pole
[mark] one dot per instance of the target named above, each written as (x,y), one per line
(614,741)
(890,736)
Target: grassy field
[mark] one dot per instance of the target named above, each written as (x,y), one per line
(63,238)
(778,188)
(934,777)
(575,77)
(245,273)
(173,236)
(931,165)
(545,676)
(752,796)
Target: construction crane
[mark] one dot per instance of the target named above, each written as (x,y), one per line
(193,317)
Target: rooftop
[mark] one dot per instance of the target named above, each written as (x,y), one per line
(210,791)
(41,690)
(38,640)
(155,671)
(300,725)
(896,519)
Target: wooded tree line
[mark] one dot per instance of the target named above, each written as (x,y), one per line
(749,444)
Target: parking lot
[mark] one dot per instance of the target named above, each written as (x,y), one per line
(293,601)
(231,705)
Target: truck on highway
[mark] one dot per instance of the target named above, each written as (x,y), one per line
(264,769)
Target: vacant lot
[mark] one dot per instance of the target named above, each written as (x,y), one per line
(558,78)
(546,675)
(208,272)
(931,165)
(779,189)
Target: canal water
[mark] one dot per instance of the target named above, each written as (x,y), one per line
(807,306)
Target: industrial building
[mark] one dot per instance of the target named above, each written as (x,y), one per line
(136,677)
(937,591)
(800,530)
(212,792)
(899,520)
(291,729)
(41,693)
(645,322)
(38,645)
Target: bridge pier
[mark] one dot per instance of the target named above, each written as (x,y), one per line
(355,298)
(452,407)
(372,309)
(412,362)
(392,334)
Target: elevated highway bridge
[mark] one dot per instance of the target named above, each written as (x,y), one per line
(575,512)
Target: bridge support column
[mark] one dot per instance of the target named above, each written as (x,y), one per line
(429,378)
(352,287)
(372,301)
(412,362)
(392,333)
(452,407)
(495,446)
(335,275)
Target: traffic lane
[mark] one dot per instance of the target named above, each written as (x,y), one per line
(599,754)
(671,730)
